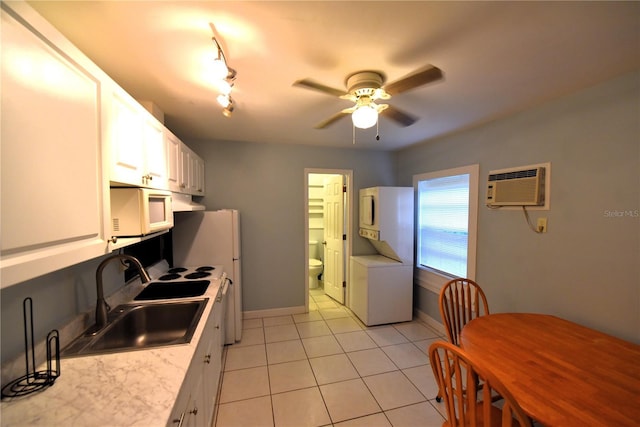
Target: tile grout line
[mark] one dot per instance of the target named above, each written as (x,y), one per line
(334,335)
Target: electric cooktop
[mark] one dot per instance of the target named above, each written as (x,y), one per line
(180,282)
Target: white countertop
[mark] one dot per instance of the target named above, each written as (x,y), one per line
(132,388)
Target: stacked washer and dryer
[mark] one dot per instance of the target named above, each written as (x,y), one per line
(381,286)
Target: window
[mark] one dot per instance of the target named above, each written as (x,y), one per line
(447,209)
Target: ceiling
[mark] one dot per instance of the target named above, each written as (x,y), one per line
(497,58)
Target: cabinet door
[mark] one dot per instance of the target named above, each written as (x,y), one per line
(180,412)
(127,133)
(172,144)
(196,413)
(213,359)
(199,177)
(193,172)
(138,152)
(185,169)
(210,381)
(155,154)
(52,186)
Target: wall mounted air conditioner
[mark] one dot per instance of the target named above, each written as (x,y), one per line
(516,187)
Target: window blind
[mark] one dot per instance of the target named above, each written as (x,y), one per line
(443,221)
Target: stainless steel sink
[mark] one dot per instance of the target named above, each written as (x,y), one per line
(141,326)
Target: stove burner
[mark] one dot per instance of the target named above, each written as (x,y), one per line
(170,276)
(205,268)
(197,275)
(177,270)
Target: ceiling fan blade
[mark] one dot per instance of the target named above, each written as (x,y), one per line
(310,84)
(331,120)
(399,116)
(422,76)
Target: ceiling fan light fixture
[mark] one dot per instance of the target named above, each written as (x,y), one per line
(364,117)
(367,86)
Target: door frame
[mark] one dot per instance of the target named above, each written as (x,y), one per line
(348,225)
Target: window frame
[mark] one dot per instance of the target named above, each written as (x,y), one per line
(433,279)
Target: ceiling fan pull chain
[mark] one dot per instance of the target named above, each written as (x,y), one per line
(354,134)
(378,130)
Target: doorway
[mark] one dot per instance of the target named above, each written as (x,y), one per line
(328,225)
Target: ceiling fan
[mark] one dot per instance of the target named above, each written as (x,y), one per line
(364,88)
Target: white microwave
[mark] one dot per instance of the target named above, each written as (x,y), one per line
(140,211)
(369,208)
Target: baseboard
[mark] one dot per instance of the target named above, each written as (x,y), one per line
(255,314)
(433,323)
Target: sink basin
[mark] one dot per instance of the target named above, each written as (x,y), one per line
(141,326)
(168,290)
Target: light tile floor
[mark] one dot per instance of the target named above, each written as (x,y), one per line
(326,368)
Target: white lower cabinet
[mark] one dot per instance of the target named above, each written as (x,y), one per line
(196,402)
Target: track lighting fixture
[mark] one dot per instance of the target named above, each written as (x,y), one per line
(224,77)
(227,111)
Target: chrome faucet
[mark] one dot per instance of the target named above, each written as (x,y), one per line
(102,308)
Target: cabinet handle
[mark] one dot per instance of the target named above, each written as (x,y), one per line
(114,239)
(207,358)
(194,411)
(180,420)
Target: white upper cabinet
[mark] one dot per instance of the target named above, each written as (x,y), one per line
(126,133)
(53,183)
(185,174)
(191,173)
(172,146)
(66,132)
(199,177)
(138,152)
(155,153)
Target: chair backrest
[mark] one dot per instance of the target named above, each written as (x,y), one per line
(461,300)
(463,384)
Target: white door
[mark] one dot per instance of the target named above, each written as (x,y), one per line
(333,238)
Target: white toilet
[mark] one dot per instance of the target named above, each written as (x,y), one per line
(315,264)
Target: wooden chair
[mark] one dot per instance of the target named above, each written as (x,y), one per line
(457,376)
(461,300)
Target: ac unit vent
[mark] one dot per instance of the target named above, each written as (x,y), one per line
(115,223)
(518,187)
(513,175)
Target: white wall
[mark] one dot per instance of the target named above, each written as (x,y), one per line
(266,183)
(587,267)
(58,298)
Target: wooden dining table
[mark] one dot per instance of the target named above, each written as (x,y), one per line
(562,374)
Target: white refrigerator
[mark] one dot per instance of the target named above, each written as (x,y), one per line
(213,238)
